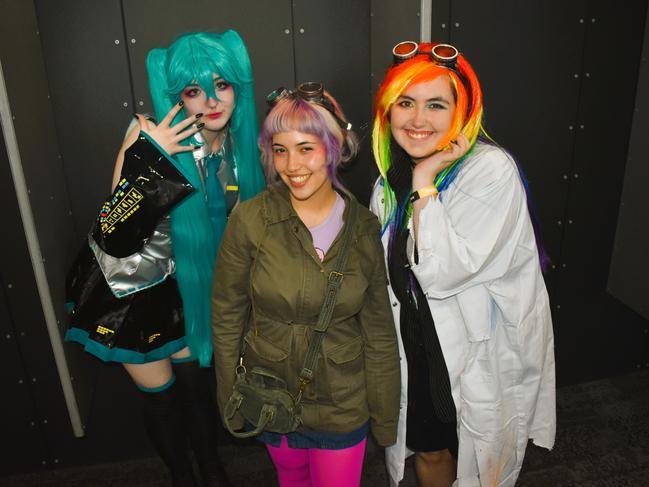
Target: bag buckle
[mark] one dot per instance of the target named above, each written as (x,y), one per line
(302,383)
(336,277)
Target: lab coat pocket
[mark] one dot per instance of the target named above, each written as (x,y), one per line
(476,306)
(480,403)
(344,369)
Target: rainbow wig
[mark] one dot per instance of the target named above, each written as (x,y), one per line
(195,231)
(295,113)
(467,118)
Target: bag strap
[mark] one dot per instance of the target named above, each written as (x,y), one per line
(334,282)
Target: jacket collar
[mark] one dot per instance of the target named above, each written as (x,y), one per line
(278,207)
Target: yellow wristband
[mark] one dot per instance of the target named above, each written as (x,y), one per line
(423,193)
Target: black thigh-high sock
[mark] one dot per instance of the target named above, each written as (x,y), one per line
(164,425)
(201,418)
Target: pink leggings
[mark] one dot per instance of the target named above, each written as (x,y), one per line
(314,467)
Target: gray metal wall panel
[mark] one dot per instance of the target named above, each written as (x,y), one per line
(392,22)
(332,45)
(156,23)
(19,422)
(33,126)
(629,269)
(614,334)
(441,20)
(88,75)
(530,92)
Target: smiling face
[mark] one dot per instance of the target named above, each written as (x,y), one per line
(422,116)
(300,159)
(216,113)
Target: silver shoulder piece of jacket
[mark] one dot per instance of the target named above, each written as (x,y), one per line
(141,270)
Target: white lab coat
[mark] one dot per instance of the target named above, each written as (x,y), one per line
(479,268)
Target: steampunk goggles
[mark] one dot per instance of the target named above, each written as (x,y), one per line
(441,54)
(311,92)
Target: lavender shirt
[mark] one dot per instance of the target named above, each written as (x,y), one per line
(325,233)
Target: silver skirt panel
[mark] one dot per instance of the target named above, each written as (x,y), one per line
(141,270)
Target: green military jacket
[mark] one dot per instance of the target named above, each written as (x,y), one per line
(270,288)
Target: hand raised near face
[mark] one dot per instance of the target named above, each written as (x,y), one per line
(168,136)
(426,170)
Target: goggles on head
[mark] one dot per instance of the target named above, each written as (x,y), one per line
(441,54)
(311,92)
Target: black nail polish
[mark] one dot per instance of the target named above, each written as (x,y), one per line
(181,103)
(200,126)
(199,115)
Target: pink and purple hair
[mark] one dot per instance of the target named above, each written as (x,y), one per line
(296,114)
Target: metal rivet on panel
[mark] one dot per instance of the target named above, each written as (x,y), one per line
(559,222)
(8,336)
(45,421)
(581,21)
(56,460)
(125,104)
(34,379)
(565,176)
(22,333)
(301,30)
(51,198)
(287,31)
(587,75)
(44,462)
(563,266)
(570,127)
(20,381)
(576,176)
(576,75)
(457,24)
(558,306)
(569,222)
(443,26)
(141,103)
(116,42)
(581,126)
(592,20)
(10,285)
(59,156)
(32,423)
(133,41)
(554,266)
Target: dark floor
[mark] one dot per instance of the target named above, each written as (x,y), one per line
(602,441)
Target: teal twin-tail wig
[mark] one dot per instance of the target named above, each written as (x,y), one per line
(196,231)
